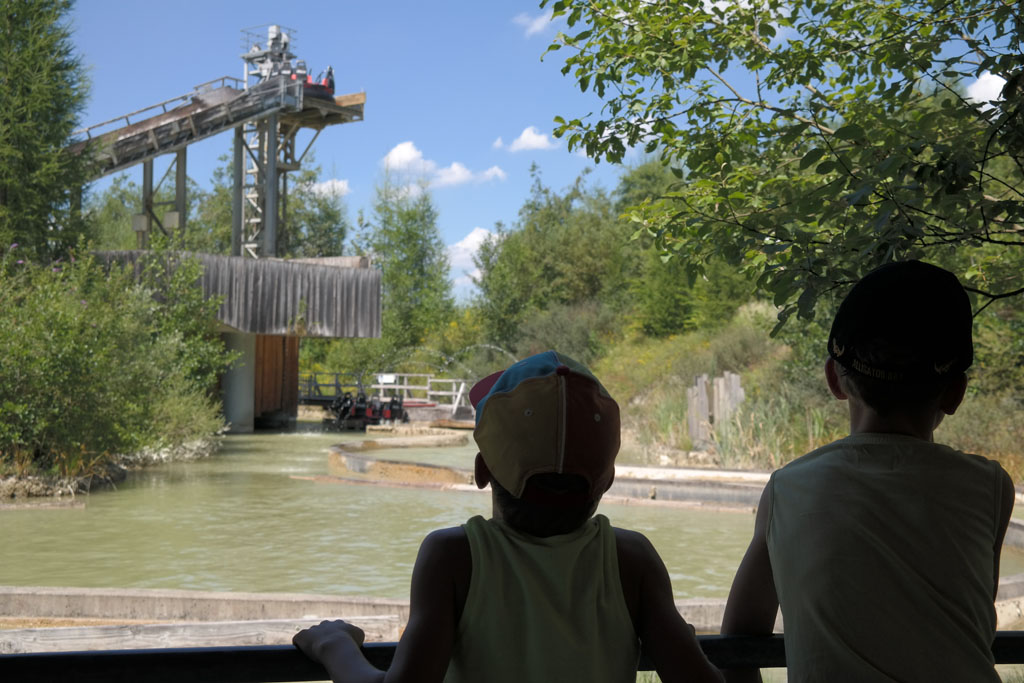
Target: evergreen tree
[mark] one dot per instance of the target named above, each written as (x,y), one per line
(42,92)
(403,238)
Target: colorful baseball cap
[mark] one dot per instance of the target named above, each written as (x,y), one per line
(546,413)
(907,321)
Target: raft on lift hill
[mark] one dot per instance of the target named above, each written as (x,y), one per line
(273,62)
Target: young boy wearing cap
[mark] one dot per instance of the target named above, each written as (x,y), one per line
(544,590)
(883,547)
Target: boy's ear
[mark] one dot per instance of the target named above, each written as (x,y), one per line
(832,377)
(481,475)
(953,395)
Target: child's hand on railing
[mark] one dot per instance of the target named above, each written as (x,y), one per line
(316,640)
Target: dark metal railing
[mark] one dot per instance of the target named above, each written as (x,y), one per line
(278,663)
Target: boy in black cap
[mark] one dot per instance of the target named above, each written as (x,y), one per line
(544,590)
(883,548)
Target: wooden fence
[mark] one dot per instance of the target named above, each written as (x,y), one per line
(706,407)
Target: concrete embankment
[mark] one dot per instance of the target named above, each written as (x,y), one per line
(362,462)
(167,618)
(136,618)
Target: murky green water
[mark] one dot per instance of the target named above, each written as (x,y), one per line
(239,522)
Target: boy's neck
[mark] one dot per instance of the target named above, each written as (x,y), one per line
(864,419)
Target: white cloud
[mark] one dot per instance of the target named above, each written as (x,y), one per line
(493,173)
(334,186)
(532,25)
(407,159)
(498,144)
(460,259)
(456,174)
(531,138)
(987,88)
(460,254)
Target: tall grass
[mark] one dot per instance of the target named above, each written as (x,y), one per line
(649,377)
(780,419)
(788,410)
(990,424)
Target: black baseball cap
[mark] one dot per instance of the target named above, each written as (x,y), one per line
(907,321)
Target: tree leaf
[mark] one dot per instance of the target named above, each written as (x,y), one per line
(811,158)
(851,132)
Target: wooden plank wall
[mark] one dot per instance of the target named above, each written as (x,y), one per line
(272,296)
(276,385)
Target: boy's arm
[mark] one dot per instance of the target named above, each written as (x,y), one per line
(665,637)
(440,580)
(753,604)
(1007,496)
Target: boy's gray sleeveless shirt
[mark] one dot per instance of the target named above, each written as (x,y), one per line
(882,549)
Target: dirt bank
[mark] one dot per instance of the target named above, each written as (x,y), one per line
(15,488)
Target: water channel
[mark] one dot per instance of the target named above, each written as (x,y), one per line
(245,520)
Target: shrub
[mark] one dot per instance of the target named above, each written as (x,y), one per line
(89,363)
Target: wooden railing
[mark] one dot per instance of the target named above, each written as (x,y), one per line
(276,663)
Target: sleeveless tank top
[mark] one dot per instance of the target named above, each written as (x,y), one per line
(881,547)
(543,609)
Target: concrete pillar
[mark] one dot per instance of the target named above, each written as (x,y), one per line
(239,383)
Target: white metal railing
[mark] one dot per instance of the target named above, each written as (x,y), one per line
(408,385)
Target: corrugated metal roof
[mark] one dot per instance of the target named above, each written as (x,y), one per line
(274,296)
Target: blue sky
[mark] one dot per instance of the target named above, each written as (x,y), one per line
(456,93)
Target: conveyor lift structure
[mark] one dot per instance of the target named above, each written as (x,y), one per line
(266,109)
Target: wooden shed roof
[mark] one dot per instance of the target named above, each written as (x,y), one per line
(274,296)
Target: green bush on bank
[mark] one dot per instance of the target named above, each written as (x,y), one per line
(92,365)
(787,410)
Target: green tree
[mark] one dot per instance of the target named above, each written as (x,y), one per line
(208,229)
(813,140)
(402,237)
(503,289)
(42,92)
(109,213)
(567,249)
(315,220)
(671,295)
